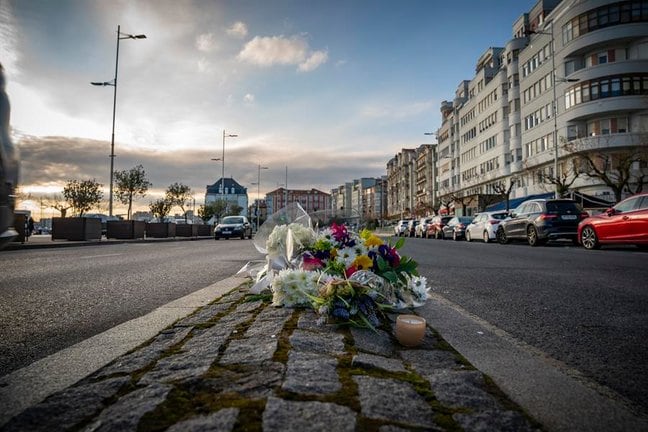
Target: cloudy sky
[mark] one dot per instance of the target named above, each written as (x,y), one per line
(330,89)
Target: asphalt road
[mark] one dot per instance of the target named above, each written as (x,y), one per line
(586,309)
(54,298)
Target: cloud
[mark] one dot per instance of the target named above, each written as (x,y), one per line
(314,61)
(206,42)
(237,30)
(248,98)
(280,50)
(9,36)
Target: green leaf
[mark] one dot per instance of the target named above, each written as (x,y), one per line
(399,244)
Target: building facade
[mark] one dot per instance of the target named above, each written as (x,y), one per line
(232,192)
(573,79)
(311,200)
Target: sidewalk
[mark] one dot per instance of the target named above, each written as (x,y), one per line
(39,241)
(241,364)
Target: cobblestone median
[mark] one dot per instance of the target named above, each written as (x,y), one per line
(241,364)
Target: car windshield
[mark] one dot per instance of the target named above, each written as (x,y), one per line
(499,216)
(560,207)
(465,220)
(232,220)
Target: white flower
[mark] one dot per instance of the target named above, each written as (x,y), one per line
(418,286)
(290,288)
(347,256)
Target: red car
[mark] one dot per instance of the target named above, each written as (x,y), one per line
(625,223)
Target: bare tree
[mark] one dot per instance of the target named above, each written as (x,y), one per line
(160,208)
(567,174)
(57,202)
(622,170)
(504,190)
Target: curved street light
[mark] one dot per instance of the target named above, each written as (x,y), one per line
(113,83)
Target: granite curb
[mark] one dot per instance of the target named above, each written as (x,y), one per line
(239,363)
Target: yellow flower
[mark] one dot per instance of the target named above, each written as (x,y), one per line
(373,240)
(363,262)
(365,233)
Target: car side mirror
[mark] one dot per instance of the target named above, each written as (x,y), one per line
(611,211)
(512,215)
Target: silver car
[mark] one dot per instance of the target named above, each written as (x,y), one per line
(8,169)
(484,226)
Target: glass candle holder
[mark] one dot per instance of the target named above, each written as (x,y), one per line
(410,330)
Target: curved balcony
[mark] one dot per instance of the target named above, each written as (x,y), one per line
(611,141)
(599,107)
(603,37)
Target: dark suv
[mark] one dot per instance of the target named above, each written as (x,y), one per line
(540,220)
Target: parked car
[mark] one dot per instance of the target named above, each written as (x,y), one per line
(484,226)
(435,228)
(540,220)
(421,228)
(456,227)
(8,169)
(400,228)
(233,226)
(411,227)
(625,223)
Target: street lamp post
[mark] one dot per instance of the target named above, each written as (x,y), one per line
(258,193)
(554,81)
(113,83)
(223,161)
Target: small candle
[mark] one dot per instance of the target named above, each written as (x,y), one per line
(410,330)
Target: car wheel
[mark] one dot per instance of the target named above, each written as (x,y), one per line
(486,237)
(216,237)
(501,236)
(588,239)
(468,237)
(532,236)
(441,235)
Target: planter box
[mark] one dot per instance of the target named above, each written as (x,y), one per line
(160,229)
(186,230)
(127,229)
(76,228)
(205,230)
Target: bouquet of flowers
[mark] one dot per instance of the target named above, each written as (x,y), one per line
(348,276)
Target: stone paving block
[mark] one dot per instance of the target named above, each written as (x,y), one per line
(460,389)
(493,420)
(369,341)
(321,343)
(220,421)
(267,324)
(233,296)
(310,373)
(125,414)
(249,381)
(370,361)
(144,356)
(66,409)
(393,400)
(392,428)
(275,313)
(249,350)
(205,314)
(233,320)
(194,360)
(284,416)
(308,320)
(423,361)
(248,306)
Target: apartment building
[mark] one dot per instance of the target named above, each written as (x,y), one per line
(228,190)
(311,200)
(412,186)
(574,77)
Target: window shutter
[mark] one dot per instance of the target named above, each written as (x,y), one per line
(611,54)
(594,60)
